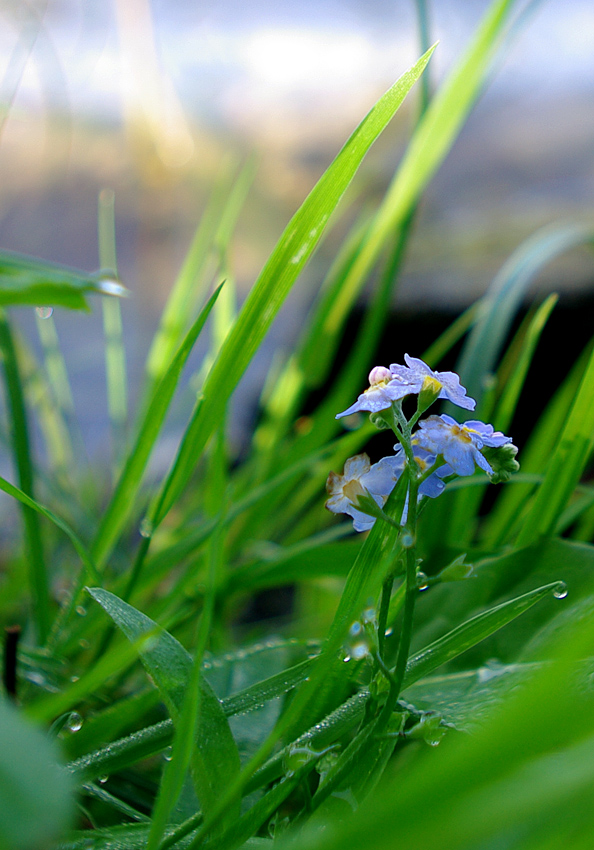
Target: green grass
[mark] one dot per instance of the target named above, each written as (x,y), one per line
(468,714)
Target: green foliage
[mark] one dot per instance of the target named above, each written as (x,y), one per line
(189,723)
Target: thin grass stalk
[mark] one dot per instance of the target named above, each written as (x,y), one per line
(21,452)
(115,355)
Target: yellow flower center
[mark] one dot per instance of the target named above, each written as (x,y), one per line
(461,433)
(432,384)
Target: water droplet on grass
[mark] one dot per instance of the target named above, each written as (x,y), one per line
(561,591)
(74,722)
(102,779)
(422,581)
(44,312)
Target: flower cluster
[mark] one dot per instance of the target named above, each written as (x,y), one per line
(441,447)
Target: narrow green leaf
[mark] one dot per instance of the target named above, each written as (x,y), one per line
(36,799)
(60,523)
(27,280)
(23,463)
(566,465)
(170,666)
(471,632)
(504,297)
(123,499)
(294,248)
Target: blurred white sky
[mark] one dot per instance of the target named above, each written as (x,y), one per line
(230,61)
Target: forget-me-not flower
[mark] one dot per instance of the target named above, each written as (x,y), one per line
(445,384)
(360,479)
(384,388)
(459,445)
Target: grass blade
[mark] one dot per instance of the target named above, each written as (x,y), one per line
(123,499)
(294,248)
(38,575)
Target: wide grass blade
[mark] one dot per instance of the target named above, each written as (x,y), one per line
(215,757)
(294,248)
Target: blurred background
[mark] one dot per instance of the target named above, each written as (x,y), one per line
(158,99)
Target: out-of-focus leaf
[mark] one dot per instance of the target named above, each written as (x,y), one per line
(36,801)
(27,280)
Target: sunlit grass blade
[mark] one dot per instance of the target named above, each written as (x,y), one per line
(123,500)
(498,308)
(430,144)
(23,462)
(293,250)
(27,280)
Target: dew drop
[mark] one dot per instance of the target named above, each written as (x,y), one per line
(346,659)
(102,779)
(44,312)
(561,591)
(407,540)
(168,754)
(389,632)
(146,528)
(355,629)
(74,722)
(81,611)
(422,581)
(109,284)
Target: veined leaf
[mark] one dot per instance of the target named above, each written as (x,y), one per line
(169,665)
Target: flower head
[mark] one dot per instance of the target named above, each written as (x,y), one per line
(445,384)
(359,476)
(384,388)
(459,445)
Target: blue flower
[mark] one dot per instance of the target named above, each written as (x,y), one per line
(417,374)
(459,445)
(360,479)
(384,388)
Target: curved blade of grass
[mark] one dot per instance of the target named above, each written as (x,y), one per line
(293,250)
(124,496)
(565,467)
(60,523)
(215,757)
(27,280)
(498,308)
(21,451)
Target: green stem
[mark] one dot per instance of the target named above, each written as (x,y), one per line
(383,614)
(21,448)
(409,601)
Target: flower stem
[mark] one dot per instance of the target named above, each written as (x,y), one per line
(383,614)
